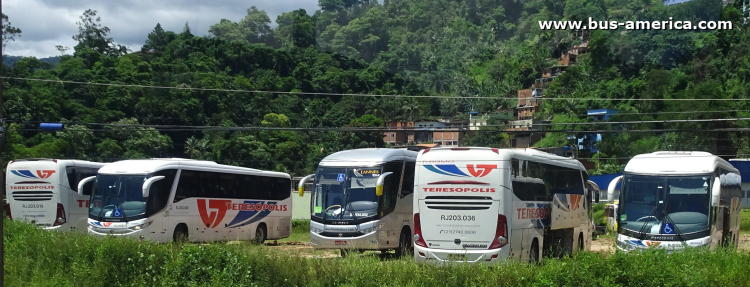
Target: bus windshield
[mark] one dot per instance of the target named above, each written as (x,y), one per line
(345,194)
(665,204)
(118,197)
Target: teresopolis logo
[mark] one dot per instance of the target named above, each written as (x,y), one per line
(479,170)
(213,219)
(28,174)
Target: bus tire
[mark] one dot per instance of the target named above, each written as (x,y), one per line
(534,252)
(404,244)
(260,234)
(180,233)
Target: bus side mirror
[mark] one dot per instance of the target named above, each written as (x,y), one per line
(301,185)
(613,185)
(596,190)
(379,184)
(84,182)
(147,184)
(716,193)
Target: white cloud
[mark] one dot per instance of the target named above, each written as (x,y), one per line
(46,23)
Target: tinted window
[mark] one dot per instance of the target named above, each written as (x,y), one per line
(238,186)
(76,174)
(533,181)
(158,195)
(408,185)
(390,186)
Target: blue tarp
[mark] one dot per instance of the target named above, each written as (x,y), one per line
(603,180)
(744,167)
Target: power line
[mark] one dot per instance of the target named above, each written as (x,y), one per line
(399,130)
(659,113)
(385,129)
(349,94)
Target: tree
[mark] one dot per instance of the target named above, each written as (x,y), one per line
(92,35)
(9,32)
(254,28)
(158,40)
(296,28)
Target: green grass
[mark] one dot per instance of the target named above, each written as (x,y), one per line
(35,257)
(300,231)
(745,221)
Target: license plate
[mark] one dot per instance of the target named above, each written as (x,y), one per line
(340,242)
(457,257)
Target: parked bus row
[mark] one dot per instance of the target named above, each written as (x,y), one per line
(153,199)
(441,204)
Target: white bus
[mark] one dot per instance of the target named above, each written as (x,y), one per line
(362,200)
(673,200)
(178,199)
(486,205)
(44,191)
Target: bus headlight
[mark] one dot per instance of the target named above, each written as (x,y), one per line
(372,229)
(315,230)
(142,226)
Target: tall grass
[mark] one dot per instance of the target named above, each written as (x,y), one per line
(35,257)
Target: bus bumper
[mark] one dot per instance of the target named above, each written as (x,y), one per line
(365,242)
(442,256)
(627,244)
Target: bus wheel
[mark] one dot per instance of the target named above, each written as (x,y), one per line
(580,242)
(534,253)
(260,235)
(180,233)
(404,244)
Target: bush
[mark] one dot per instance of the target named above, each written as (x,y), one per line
(37,257)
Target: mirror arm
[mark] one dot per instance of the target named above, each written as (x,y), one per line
(149,182)
(301,185)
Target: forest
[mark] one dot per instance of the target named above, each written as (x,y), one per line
(307,71)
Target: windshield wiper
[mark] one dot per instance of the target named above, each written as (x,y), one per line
(104,203)
(349,205)
(642,232)
(676,230)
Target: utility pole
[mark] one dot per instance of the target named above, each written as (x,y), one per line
(2,146)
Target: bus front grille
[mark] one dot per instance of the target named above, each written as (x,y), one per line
(458,202)
(32,195)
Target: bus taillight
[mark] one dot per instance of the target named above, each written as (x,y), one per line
(501,233)
(60,215)
(418,240)
(7,210)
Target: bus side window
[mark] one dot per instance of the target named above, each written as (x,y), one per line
(390,187)
(76,174)
(185,186)
(408,185)
(159,192)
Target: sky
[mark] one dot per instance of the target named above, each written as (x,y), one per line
(47,23)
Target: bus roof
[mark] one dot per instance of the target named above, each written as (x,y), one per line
(518,153)
(676,162)
(65,161)
(368,156)
(143,166)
